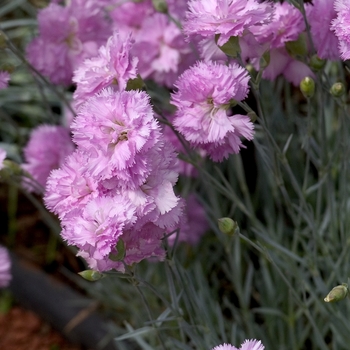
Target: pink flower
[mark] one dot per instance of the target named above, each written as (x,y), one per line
(67,35)
(112,67)
(205,93)
(320,18)
(286,25)
(193,224)
(225,17)
(46,150)
(162,51)
(281,63)
(341,27)
(71,186)
(2,157)
(97,229)
(116,128)
(4,79)
(246,345)
(5,267)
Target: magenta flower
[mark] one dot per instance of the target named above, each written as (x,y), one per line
(2,157)
(320,18)
(205,93)
(71,186)
(5,267)
(225,17)
(46,150)
(116,128)
(341,27)
(112,67)
(4,79)
(97,229)
(286,25)
(246,345)
(67,35)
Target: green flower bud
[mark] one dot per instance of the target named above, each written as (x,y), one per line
(337,89)
(91,275)
(264,60)
(252,115)
(337,293)
(120,247)
(160,6)
(297,47)
(307,87)
(231,47)
(317,63)
(228,226)
(135,84)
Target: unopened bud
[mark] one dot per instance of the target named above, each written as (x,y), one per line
(307,87)
(337,89)
(297,47)
(227,226)
(317,63)
(252,116)
(160,6)
(91,275)
(231,47)
(337,293)
(264,60)
(120,247)
(135,84)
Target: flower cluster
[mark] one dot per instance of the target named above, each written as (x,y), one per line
(4,79)
(118,184)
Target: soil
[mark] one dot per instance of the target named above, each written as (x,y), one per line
(23,329)
(31,240)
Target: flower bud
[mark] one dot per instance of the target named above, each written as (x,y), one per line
(228,226)
(297,47)
(307,87)
(317,63)
(231,47)
(120,247)
(91,275)
(135,84)
(252,116)
(337,89)
(160,6)
(264,60)
(337,293)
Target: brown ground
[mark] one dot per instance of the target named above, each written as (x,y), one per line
(21,329)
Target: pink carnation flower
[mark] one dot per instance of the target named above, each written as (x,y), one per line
(4,79)
(246,345)
(286,25)
(320,18)
(341,27)
(112,67)
(71,186)
(5,267)
(67,35)
(46,150)
(225,17)
(97,229)
(162,51)
(205,92)
(116,128)
(193,224)
(2,157)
